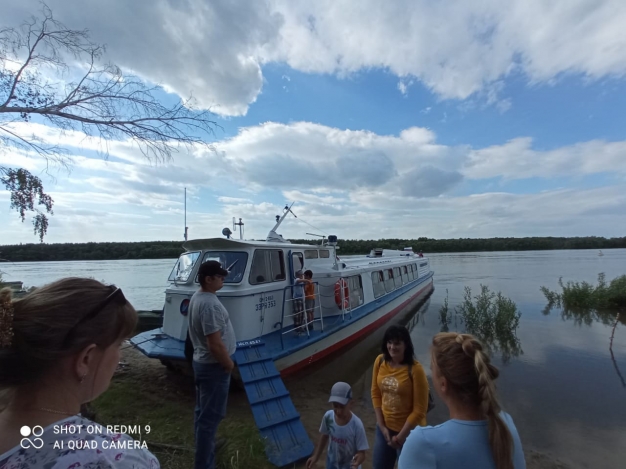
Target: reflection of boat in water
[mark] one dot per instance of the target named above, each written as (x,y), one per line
(600,253)
(354,296)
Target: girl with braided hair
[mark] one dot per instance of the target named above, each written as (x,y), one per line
(478,435)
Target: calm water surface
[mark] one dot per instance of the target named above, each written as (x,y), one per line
(565,391)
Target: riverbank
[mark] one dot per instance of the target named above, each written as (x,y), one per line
(37,252)
(144,393)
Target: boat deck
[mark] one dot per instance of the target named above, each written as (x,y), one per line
(279,343)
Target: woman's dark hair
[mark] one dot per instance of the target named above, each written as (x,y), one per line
(398,333)
(56,321)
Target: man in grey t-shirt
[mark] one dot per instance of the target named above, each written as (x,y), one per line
(213,338)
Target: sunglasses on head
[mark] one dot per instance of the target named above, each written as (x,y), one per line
(116,295)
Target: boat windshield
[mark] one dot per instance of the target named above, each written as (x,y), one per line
(183,267)
(234,262)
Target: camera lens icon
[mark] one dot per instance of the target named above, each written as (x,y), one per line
(36,442)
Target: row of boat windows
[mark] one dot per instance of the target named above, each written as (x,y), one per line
(268,265)
(386,281)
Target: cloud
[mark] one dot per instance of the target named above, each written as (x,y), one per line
(307,156)
(517,160)
(208,49)
(216,50)
(355,183)
(428,182)
(233,200)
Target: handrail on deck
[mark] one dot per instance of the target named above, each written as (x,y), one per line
(318,304)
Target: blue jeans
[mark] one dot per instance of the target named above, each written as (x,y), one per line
(384,455)
(212,383)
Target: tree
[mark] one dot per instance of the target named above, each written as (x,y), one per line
(102,101)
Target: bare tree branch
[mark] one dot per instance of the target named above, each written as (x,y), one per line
(103,102)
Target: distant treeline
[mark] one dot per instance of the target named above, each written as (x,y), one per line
(172,249)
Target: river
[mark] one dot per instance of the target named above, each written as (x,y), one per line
(563,386)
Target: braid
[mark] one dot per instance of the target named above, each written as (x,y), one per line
(500,438)
(470,373)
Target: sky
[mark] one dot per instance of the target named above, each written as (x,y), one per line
(396,119)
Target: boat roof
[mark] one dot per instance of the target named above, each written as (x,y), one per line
(225,243)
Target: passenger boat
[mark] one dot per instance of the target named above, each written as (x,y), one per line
(354,295)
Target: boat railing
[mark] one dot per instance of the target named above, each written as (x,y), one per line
(300,325)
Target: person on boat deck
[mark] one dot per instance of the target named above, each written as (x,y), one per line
(309,300)
(298,301)
(420,254)
(343,433)
(59,347)
(213,338)
(478,435)
(399,395)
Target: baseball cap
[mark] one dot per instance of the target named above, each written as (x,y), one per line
(209,268)
(341,393)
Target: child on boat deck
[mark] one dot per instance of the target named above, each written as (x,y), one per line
(298,301)
(342,431)
(309,300)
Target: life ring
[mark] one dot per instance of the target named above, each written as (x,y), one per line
(346,293)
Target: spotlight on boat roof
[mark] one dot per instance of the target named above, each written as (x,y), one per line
(226,232)
(332,240)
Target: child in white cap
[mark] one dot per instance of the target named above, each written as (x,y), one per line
(343,431)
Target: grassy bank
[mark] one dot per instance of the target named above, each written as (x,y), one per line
(144,393)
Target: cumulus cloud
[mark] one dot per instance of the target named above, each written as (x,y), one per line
(311,156)
(216,50)
(517,159)
(208,49)
(355,183)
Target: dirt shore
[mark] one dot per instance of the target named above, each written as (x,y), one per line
(309,393)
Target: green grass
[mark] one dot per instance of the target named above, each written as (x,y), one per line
(491,317)
(586,295)
(167,407)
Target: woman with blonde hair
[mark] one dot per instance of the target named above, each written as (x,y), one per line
(59,348)
(478,435)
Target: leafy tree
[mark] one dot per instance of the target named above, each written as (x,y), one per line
(102,102)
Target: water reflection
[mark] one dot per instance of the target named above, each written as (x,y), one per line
(611,351)
(583,316)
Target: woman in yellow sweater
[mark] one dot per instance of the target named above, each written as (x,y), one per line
(399,395)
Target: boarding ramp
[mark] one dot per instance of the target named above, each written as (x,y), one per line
(286,440)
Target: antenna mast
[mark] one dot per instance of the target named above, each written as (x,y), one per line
(186,227)
(240,225)
(273,236)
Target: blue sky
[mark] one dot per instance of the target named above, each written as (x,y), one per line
(394,119)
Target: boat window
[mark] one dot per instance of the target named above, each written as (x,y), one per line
(355,284)
(324,253)
(411,273)
(388,279)
(183,267)
(405,275)
(298,261)
(234,262)
(397,277)
(310,254)
(415,270)
(268,265)
(378,284)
